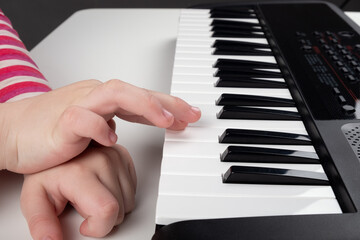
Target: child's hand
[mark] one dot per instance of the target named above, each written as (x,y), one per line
(43,131)
(100,184)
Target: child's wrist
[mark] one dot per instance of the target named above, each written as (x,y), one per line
(4,129)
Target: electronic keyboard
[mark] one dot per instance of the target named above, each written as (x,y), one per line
(276,152)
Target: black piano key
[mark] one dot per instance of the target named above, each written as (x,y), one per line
(248,82)
(234,24)
(239,28)
(224,47)
(263,137)
(268,155)
(262,175)
(251,100)
(241,72)
(235,112)
(238,34)
(235,52)
(232,13)
(239,64)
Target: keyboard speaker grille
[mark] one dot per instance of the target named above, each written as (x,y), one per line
(352,134)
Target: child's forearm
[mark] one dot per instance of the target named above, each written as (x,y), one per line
(19,75)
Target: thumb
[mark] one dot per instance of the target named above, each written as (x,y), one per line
(40,213)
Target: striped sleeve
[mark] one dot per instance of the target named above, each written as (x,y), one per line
(19,75)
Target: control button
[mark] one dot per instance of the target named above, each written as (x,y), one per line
(348,109)
(330,52)
(357,69)
(334,40)
(336,90)
(344,70)
(326,47)
(306,48)
(322,41)
(339,63)
(357,46)
(351,78)
(339,46)
(346,34)
(302,41)
(335,58)
(328,33)
(348,57)
(341,99)
(354,63)
(344,52)
(300,34)
(317,34)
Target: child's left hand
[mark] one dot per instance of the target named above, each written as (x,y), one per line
(100,183)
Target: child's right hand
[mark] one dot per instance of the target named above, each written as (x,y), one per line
(46,130)
(100,183)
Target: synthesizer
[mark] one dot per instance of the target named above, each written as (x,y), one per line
(276,154)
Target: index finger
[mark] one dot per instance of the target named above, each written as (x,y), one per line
(123,99)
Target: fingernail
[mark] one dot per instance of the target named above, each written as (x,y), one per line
(112,136)
(167,114)
(47,238)
(195,109)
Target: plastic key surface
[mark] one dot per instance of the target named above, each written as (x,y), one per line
(261,175)
(263,137)
(267,155)
(235,112)
(251,100)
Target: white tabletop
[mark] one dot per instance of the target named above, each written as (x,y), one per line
(135,45)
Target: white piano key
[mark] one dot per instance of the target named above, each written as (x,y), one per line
(213,186)
(194,79)
(209,50)
(203,56)
(209,71)
(208,42)
(214,149)
(210,110)
(194,11)
(195,98)
(200,11)
(196,16)
(196,166)
(207,21)
(209,34)
(194,28)
(210,130)
(203,28)
(208,88)
(206,64)
(172,208)
(191,79)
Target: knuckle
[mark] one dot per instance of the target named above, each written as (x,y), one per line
(114,84)
(151,100)
(178,100)
(78,169)
(93,82)
(37,221)
(113,87)
(109,209)
(71,115)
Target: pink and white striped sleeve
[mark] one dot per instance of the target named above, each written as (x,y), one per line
(19,75)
